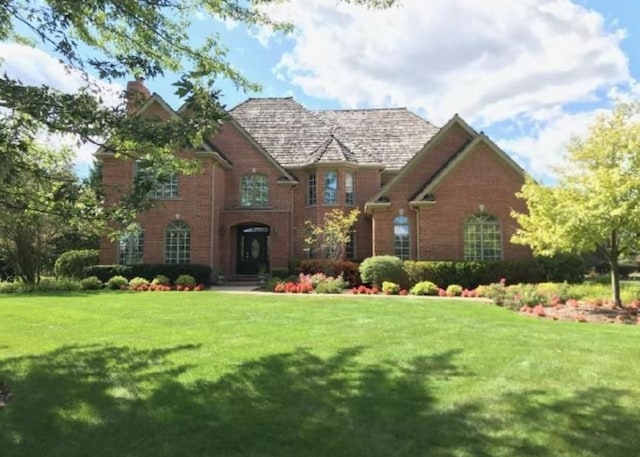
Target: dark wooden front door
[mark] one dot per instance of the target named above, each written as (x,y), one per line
(253,255)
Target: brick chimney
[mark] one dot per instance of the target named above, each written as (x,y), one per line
(137,94)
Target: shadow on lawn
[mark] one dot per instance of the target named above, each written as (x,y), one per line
(113,401)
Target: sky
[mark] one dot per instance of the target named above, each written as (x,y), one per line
(529,73)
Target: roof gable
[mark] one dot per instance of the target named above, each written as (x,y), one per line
(437,178)
(420,155)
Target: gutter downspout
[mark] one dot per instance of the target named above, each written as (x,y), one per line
(213,205)
(417,210)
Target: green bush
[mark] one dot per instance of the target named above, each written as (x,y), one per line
(331,285)
(162,280)
(271,283)
(91,283)
(137,282)
(563,267)
(185,280)
(279,273)
(11,287)
(71,264)
(424,288)
(471,274)
(55,285)
(117,282)
(454,290)
(390,288)
(201,273)
(105,272)
(346,268)
(377,269)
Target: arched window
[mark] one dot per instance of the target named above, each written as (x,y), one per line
(401,237)
(177,243)
(131,246)
(482,238)
(254,191)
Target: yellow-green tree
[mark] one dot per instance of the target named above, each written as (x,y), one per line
(596,203)
(330,238)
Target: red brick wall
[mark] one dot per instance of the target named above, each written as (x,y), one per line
(409,185)
(482,178)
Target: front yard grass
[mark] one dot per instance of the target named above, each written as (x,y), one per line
(198,374)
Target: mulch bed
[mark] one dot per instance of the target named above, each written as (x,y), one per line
(5,395)
(601,313)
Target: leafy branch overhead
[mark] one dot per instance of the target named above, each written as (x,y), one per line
(101,41)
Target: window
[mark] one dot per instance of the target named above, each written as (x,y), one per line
(254,191)
(177,243)
(401,237)
(311,189)
(482,239)
(350,247)
(131,246)
(161,187)
(330,187)
(349,191)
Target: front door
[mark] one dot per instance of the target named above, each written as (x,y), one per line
(253,255)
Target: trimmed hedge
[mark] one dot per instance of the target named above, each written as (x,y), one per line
(201,273)
(71,264)
(471,274)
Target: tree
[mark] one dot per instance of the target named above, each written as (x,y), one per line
(105,40)
(331,237)
(596,203)
(40,208)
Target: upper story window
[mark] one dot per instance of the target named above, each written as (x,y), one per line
(311,189)
(401,237)
(482,238)
(330,187)
(177,243)
(349,189)
(254,191)
(131,246)
(161,187)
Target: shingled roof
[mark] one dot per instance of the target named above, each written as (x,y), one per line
(296,136)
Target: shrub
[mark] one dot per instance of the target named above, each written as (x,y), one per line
(72,263)
(272,282)
(563,267)
(390,288)
(280,273)
(11,287)
(117,282)
(377,269)
(54,285)
(424,288)
(346,268)
(454,290)
(331,285)
(91,283)
(106,272)
(185,281)
(138,282)
(201,273)
(161,280)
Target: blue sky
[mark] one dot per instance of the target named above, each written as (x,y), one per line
(530,73)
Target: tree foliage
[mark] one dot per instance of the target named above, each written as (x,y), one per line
(330,238)
(596,203)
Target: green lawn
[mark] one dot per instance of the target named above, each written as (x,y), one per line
(197,374)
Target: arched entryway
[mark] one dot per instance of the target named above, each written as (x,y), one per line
(252,249)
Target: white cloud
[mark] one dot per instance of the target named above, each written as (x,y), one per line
(35,67)
(438,57)
(544,147)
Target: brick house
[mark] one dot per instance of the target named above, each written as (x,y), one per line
(424,192)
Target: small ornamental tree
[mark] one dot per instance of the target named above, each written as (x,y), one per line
(596,203)
(331,237)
